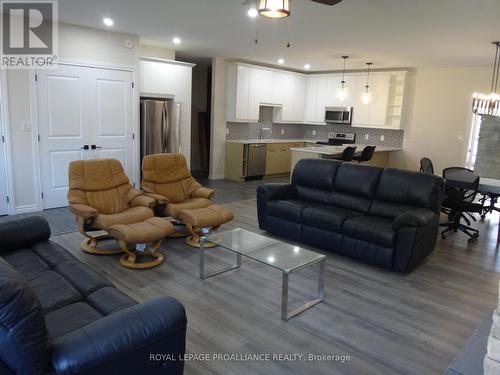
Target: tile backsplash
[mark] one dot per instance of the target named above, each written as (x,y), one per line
(237,130)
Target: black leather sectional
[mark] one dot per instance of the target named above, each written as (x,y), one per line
(383,216)
(58,316)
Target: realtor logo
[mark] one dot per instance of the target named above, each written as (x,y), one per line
(29,34)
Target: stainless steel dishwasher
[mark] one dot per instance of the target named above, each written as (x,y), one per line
(256,161)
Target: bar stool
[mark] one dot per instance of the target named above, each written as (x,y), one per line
(366,154)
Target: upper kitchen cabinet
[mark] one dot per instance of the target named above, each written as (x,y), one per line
(249,87)
(310,107)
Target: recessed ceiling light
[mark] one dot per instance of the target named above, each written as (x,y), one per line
(108,21)
(281,61)
(252,13)
(176,40)
(307,66)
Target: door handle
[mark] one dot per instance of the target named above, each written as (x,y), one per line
(95,147)
(85,147)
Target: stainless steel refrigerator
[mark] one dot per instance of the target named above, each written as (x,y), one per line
(160,126)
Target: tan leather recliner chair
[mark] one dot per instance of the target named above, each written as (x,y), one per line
(100,195)
(167,178)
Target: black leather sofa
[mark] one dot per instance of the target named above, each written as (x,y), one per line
(58,316)
(383,216)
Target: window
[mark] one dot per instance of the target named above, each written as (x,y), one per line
(473,142)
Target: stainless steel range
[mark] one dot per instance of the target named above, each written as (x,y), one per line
(339,139)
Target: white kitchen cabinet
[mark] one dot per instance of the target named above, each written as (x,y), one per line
(279,84)
(238,93)
(361,111)
(261,86)
(311,99)
(321,100)
(379,87)
(293,88)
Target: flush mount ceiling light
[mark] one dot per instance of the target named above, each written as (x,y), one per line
(281,61)
(489,105)
(366,96)
(307,66)
(274,8)
(107,21)
(342,93)
(176,40)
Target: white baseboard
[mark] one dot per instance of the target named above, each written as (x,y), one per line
(26,209)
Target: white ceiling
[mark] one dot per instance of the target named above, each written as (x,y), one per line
(389,33)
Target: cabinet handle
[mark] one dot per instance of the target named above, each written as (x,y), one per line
(85,147)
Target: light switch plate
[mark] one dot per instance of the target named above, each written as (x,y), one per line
(367,136)
(314,132)
(26,126)
(382,137)
(331,134)
(282,131)
(227,131)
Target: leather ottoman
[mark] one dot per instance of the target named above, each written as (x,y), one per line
(202,221)
(135,236)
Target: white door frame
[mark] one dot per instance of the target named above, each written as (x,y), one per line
(135,115)
(4,127)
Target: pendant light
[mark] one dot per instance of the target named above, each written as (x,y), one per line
(489,105)
(342,93)
(274,8)
(366,96)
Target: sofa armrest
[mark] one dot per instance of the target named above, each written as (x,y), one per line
(86,212)
(143,200)
(416,218)
(160,199)
(203,192)
(277,191)
(19,233)
(123,342)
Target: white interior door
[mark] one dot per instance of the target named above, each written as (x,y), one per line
(111,109)
(3,177)
(77,107)
(63,127)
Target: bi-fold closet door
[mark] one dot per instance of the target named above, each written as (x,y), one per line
(82,113)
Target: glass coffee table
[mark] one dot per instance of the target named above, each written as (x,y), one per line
(287,258)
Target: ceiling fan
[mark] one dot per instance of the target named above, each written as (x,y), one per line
(279,8)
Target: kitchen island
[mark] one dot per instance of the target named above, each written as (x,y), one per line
(380,158)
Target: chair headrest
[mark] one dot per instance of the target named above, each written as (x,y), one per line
(96,175)
(164,168)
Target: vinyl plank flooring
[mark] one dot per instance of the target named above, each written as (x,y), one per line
(388,323)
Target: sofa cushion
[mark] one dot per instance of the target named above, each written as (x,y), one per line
(399,191)
(372,229)
(109,299)
(290,210)
(70,317)
(315,173)
(51,253)
(23,334)
(54,291)
(26,262)
(326,217)
(82,278)
(359,180)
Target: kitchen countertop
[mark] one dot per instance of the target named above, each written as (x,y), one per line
(337,150)
(274,140)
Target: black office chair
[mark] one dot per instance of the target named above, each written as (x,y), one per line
(458,204)
(426,166)
(366,154)
(347,154)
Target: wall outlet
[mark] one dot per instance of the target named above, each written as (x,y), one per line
(227,131)
(282,131)
(314,132)
(26,126)
(331,134)
(382,138)
(367,136)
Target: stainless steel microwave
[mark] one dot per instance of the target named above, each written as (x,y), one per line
(338,115)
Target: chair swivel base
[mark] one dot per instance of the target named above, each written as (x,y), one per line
(472,233)
(129,259)
(194,240)
(89,245)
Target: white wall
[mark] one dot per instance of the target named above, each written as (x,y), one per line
(170,79)
(75,43)
(218,121)
(441,115)
(157,52)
